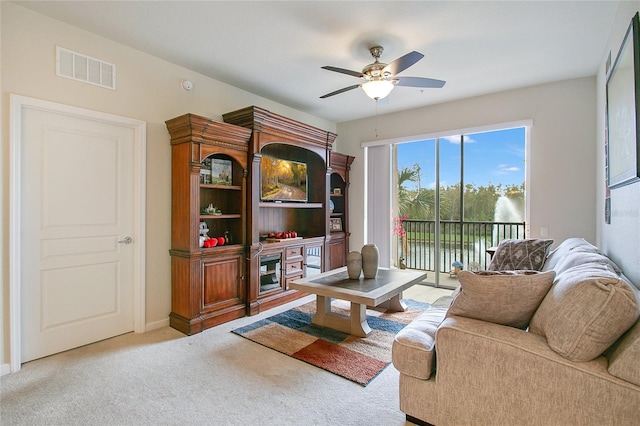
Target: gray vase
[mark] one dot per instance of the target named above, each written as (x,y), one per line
(354,265)
(370,260)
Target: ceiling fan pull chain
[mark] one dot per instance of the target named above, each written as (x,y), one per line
(376,120)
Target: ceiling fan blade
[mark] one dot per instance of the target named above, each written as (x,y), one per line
(344,71)
(403,62)
(419,82)
(344,89)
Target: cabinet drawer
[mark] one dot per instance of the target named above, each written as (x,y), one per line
(293,268)
(293,252)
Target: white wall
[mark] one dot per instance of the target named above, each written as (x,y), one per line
(620,239)
(561,156)
(148,89)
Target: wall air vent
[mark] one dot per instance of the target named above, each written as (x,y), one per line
(84,68)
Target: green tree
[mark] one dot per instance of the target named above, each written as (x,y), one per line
(479,201)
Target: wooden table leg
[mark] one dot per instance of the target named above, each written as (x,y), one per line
(395,304)
(323,310)
(354,324)
(359,325)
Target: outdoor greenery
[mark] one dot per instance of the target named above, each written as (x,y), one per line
(479,201)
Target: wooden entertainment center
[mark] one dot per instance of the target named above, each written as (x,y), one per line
(216,186)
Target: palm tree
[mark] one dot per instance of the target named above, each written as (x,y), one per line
(415,204)
(404,195)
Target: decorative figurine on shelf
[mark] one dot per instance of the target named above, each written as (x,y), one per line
(204,230)
(211,210)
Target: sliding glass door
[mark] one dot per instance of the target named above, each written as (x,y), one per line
(455,197)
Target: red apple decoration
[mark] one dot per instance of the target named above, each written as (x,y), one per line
(213,242)
(220,241)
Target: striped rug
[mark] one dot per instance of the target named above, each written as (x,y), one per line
(357,359)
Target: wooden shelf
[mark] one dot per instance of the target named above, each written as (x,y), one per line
(292,205)
(220,216)
(222,247)
(227,187)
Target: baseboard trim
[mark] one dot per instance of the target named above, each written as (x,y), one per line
(5,369)
(156,324)
(417,421)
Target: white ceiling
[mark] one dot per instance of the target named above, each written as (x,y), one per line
(275,48)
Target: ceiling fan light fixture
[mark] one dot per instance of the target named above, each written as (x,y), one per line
(377,89)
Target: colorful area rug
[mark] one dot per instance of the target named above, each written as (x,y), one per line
(357,359)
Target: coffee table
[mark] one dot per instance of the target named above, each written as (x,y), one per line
(385,290)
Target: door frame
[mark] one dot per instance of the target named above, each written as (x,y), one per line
(18,104)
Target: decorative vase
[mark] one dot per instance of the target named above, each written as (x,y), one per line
(370,260)
(354,265)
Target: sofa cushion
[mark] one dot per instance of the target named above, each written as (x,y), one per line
(507,297)
(587,309)
(624,356)
(574,252)
(527,254)
(577,258)
(413,351)
(565,247)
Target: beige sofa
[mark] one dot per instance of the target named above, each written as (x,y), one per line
(574,361)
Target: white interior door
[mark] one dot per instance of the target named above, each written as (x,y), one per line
(77,231)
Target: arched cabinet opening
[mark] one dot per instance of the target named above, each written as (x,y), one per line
(292,192)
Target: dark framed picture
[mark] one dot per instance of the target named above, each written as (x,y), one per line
(335,224)
(623,111)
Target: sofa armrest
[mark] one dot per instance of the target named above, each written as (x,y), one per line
(507,374)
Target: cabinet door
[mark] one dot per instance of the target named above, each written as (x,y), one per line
(313,260)
(270,272)
(222,283)
(337,252)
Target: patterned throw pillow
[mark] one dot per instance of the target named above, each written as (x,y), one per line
(507,297)
(514,255)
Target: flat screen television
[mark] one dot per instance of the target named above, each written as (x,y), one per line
(282,180)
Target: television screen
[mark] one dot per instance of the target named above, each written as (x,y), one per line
(283,180)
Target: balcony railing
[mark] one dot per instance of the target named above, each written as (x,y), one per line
(465,242)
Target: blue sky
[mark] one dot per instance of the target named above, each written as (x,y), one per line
(491,157)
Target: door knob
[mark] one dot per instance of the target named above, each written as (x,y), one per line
(127,240)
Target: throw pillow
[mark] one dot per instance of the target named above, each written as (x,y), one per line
(586,311)
(507,298)
(512,255)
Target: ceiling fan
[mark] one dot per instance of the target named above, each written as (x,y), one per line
(380,78)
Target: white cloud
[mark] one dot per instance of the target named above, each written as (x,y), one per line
(505,168)
(456,139)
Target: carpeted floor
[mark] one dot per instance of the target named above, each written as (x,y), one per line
(357,359)
(163,377)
